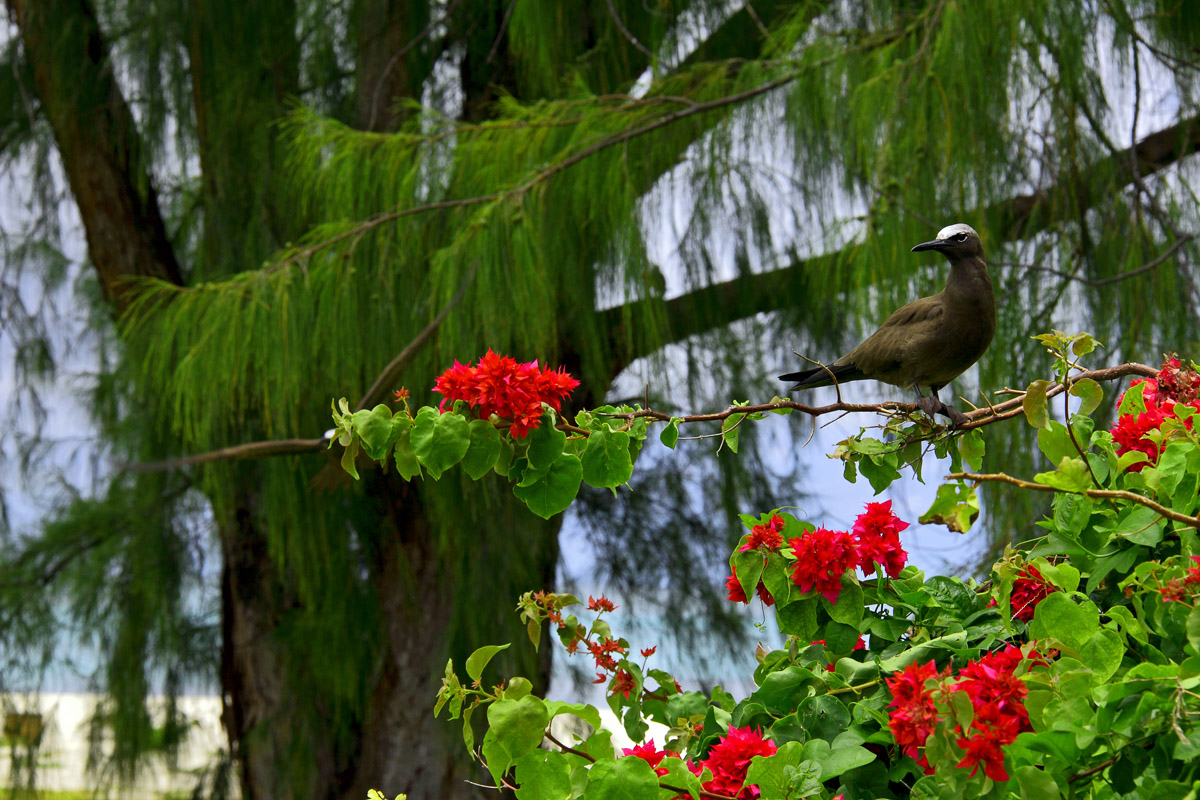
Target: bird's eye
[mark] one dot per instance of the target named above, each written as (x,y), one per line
(959,237)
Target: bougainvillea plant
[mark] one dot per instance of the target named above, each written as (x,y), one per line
(1072,670)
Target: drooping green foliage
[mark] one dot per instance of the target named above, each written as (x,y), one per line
(593,173)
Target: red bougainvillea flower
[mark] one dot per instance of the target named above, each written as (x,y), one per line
(990,682)
(401,394)
(1178,382)
(649,651)
(990,731)
(729,760)
(765,537)
(877,534)
(1173,591)
(738,595)
(915,716)
(822,557)
(1029,589)
(600,603)
(1175,384)
(650,754)
(622,684)
(1193,576)
(510,390)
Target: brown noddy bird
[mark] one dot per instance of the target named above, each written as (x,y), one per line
(930,341)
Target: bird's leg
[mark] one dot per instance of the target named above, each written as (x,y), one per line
(933,405)
(930,405)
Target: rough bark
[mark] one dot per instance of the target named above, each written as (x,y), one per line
(101,149)
(394,46)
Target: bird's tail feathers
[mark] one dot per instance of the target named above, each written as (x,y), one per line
(821,376)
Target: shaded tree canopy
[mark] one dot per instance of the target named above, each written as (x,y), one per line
(278,197)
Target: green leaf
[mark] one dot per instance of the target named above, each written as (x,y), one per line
(679,775)
(1133,401)
(1058,616)
(374,428)
(773,774)
(1103,654)
(1036,784)
(554,490)
(515,728)
(748,566)
(951,594)
(348,456)
(971,446)
(606,461)
(545,443)
(1055,441)
(480,658)
(880,470)
(729,430)
(439,441)
(1071,476)
(628,778)
(483,449)
(406,460)
(1193,628)
(670,434)
(543,775)
(849,606)
(1034,404)
(1089,393)
(955,506)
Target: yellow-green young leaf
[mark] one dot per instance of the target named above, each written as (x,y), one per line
(1083,343)
(480,658)
(1071,476)
(439,440)
(955,506)
(971,446)
(468,731)
(1133,401)
(1089,393)
(1055,442)
(554,489)
(606,461)
(483,449)
(1034,404)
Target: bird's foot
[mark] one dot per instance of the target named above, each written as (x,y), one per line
(933,406)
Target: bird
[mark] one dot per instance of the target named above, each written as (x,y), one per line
(930,341)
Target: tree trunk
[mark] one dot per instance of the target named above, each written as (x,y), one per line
(102,152)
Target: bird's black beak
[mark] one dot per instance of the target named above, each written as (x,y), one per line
(936,244)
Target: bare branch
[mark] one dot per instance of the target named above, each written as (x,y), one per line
(616,18)
(1149,265)
(1113,494)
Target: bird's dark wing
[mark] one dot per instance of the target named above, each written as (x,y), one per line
(886,351)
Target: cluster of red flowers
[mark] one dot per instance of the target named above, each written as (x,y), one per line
(823,556)
(1174,385)
(1029,589)
(501,386)
(1176,590)
(728,759)
(997,697)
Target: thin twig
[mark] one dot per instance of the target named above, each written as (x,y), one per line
(633,40)
(1149,265)
(391,373)
(1119,494)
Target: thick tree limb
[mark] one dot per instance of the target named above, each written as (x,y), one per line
(101,149)
(721,304)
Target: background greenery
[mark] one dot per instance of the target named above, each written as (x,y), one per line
(278,197)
